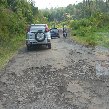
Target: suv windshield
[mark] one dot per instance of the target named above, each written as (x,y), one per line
(36,29)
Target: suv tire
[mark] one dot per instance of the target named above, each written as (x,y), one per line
(28,47)
(40,36)
(58,36)
(49,45)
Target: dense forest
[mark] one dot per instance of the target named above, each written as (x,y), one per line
(15,15)
(87,20)
(84,9)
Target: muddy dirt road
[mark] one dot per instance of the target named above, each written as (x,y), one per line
(69,76)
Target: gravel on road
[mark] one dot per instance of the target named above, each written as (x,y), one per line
(68,76)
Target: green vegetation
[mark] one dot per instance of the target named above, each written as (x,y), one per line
(8,49)
(92,31)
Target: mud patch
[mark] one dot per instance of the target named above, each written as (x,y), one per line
(40,87)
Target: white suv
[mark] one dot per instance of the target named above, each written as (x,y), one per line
(38,34)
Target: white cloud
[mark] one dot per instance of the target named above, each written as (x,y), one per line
(41,4)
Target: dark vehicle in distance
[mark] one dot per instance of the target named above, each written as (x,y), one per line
(54,33)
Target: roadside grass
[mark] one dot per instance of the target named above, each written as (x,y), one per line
(9,48)
(90,34)
(103,38)
(93,39)
(91,31)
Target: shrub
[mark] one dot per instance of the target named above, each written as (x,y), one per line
(86,29)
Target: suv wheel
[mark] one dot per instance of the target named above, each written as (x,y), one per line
(28,47)
(40,36)
(49,45)
(58,36)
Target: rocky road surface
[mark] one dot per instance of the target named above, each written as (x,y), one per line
(68,76)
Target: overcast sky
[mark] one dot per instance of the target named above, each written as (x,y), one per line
(42,4)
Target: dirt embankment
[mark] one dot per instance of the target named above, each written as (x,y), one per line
(69,76)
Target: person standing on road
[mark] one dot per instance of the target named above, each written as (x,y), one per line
(64,31)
